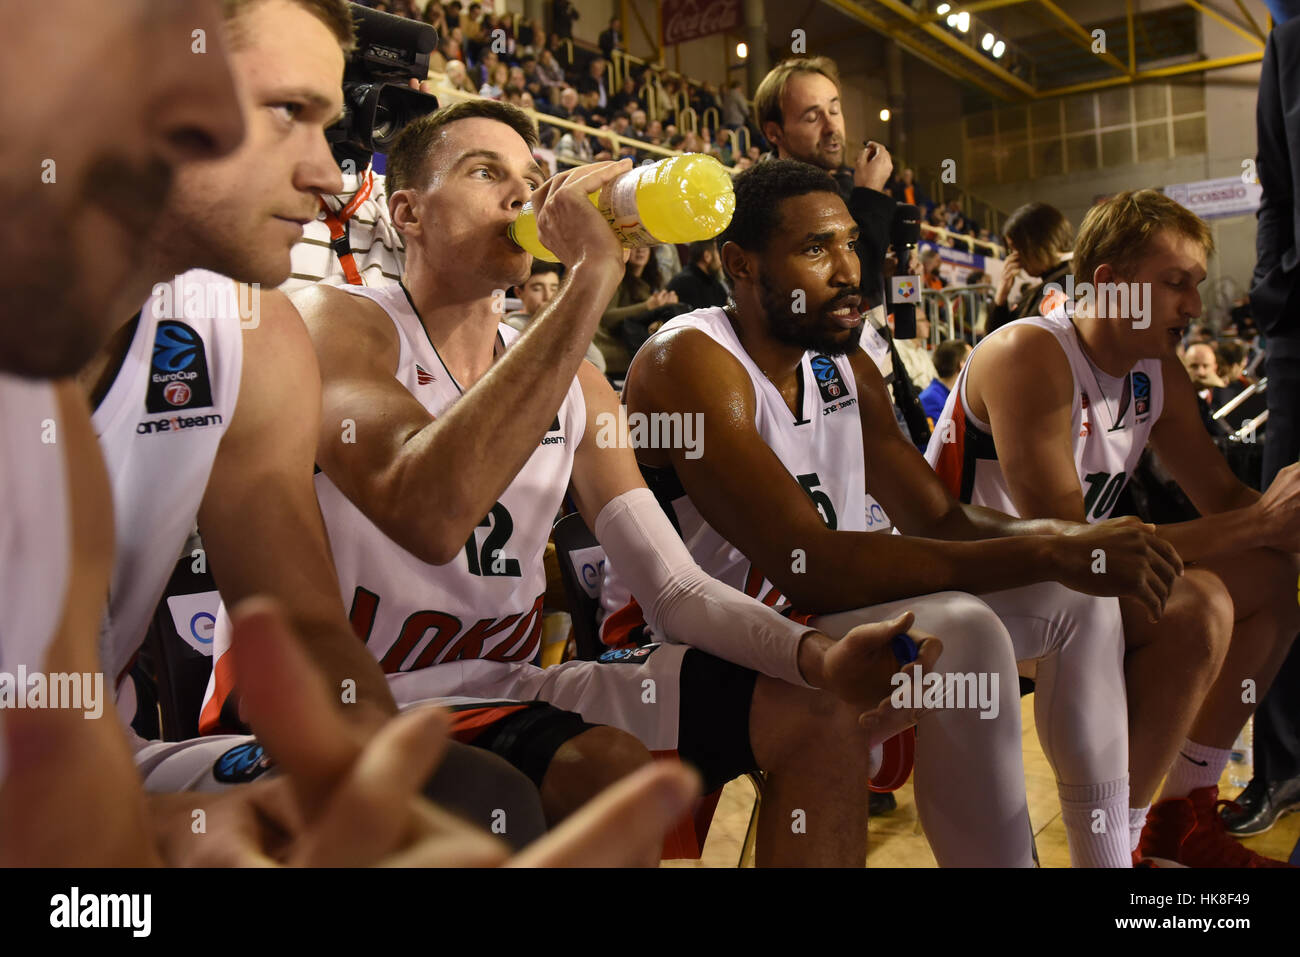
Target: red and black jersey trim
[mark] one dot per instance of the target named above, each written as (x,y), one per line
(956,463)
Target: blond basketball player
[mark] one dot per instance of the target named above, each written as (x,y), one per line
(802,459)
(1070,400)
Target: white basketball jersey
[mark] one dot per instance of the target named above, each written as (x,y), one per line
(487,603)
(35,536)
(820,446)
(159,427)
(1111,420)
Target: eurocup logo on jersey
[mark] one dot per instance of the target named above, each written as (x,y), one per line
(1107,300)
(178,374)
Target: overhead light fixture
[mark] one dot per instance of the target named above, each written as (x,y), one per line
(742,50)
(952,20)
(999,48)
(987,42)
(943,8)
(963,22)
(884,115)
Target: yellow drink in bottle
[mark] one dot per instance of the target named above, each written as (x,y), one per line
(683,199)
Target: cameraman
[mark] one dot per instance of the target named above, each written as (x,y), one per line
(800,114)
(352,240)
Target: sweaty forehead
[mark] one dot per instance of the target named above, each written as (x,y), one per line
(818,212)
(457,140)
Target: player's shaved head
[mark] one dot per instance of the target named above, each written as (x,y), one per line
(759,193)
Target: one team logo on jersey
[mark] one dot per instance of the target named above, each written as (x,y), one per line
(178,374)
(828,378)
(422,375)
(241,764)
(1141,394)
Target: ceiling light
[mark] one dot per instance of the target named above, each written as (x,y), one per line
(999,48)
(963,22)
(987,42)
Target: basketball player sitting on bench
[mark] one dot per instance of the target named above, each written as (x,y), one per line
(1069,400)
(799,439)
(455,618)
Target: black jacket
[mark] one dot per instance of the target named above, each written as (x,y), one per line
(1274,297)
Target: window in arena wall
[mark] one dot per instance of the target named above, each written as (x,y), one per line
(1088,131)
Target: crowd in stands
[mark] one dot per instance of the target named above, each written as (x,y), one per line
(512,58)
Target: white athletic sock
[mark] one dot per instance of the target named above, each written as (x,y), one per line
(1196,766)
(1137,819)
(1097,840)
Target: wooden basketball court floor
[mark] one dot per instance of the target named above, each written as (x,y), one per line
(896,840)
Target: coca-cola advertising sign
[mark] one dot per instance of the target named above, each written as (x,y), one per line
(689,19)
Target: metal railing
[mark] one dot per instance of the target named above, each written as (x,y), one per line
(641,146)
(957,312)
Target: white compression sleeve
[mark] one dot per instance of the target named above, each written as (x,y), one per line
(683,604)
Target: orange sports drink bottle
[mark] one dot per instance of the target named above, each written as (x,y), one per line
(682,199)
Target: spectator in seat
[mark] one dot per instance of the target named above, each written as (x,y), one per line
(495,86)
(949,357)
(525,36)
(611,39)
(699,284)
(636,307)
(735,111)
(551,73)
(915,354)
(567,106)
(1231,355)
(1202,366)
(573,150)
(930,263)
(589,102)
(563,13)
(542,285)
(906,190)
(1038,238)
(639,126)
(626,98)
(596,72)
(458,77)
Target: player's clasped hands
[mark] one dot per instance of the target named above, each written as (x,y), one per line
(1123,557)
(1280,510)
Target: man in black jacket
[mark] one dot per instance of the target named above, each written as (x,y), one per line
(800,114)
(1275,303)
